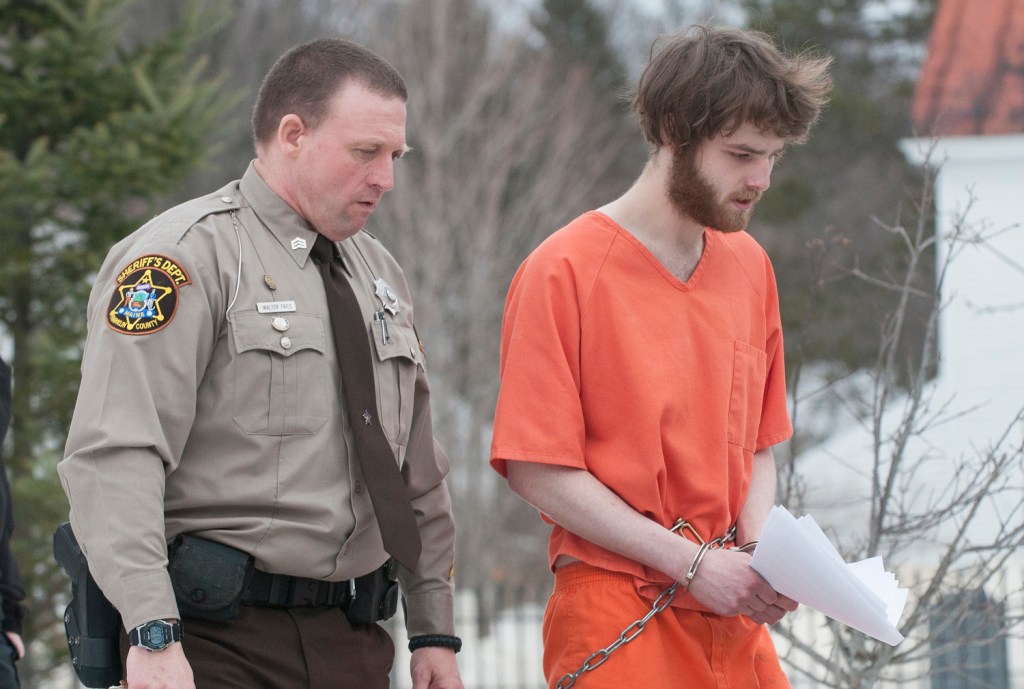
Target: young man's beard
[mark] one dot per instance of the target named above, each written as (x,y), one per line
(695,197)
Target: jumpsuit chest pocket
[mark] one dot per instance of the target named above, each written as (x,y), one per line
(749,373)
(395,370)
(280,373)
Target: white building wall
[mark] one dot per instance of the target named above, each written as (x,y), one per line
(982,179)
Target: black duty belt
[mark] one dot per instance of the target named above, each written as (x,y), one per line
(283,591)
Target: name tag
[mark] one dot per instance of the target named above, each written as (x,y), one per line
(275,306)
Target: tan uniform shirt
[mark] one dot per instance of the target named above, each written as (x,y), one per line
(211,403)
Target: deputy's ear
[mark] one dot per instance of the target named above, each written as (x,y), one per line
(290,131)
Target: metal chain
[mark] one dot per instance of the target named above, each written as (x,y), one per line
(627,635)
(661,603)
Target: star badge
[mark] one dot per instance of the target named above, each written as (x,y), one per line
(387,296)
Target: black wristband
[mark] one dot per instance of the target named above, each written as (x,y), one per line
(442,640)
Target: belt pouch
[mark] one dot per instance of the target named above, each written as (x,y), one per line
(376,596)
(208,578)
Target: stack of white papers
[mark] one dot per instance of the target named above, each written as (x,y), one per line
(797,559)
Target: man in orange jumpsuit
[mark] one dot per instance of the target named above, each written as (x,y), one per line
(642,380)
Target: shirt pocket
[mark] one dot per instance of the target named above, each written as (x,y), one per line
(397,364)
(280,374)
(749,372)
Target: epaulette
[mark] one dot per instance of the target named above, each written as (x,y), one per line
(177,220)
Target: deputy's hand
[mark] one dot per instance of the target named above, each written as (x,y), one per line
(434,667)
(166,669)
(16,641)
(727,585)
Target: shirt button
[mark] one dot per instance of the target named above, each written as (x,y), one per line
(359,487)
(227,199)
(280,324)
(286,342)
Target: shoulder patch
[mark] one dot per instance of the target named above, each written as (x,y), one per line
(146,295)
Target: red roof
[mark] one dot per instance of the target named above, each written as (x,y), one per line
(973,78)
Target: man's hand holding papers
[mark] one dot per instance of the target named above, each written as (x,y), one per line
(797,559)
(724,587)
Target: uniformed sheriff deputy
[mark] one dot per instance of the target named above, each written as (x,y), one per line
(214,483)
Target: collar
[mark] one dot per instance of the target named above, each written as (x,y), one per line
(284,224)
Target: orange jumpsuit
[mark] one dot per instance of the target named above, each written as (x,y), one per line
(662,390)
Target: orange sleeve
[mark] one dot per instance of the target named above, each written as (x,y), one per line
(775,425)
(539,416)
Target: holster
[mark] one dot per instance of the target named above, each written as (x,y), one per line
(92,624)
(376,596)
(208,578)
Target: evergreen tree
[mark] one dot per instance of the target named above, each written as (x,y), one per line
(91,128)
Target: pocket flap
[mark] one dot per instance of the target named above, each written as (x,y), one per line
(402,342)
(255,330)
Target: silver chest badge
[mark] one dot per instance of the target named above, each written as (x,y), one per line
(387,296)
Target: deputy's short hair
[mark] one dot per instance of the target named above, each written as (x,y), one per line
(305,79)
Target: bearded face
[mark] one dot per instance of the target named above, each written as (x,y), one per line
(698,197)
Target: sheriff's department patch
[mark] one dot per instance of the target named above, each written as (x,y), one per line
(146,295)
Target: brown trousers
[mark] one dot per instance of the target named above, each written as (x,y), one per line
(296,648)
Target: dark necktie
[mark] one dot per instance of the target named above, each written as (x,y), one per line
(380,469)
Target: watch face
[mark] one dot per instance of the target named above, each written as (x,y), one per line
(155,636)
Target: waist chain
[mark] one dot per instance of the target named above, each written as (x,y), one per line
(663,601)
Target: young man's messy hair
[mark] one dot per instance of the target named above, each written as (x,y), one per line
(705,81)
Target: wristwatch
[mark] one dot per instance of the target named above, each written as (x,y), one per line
(155,635)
